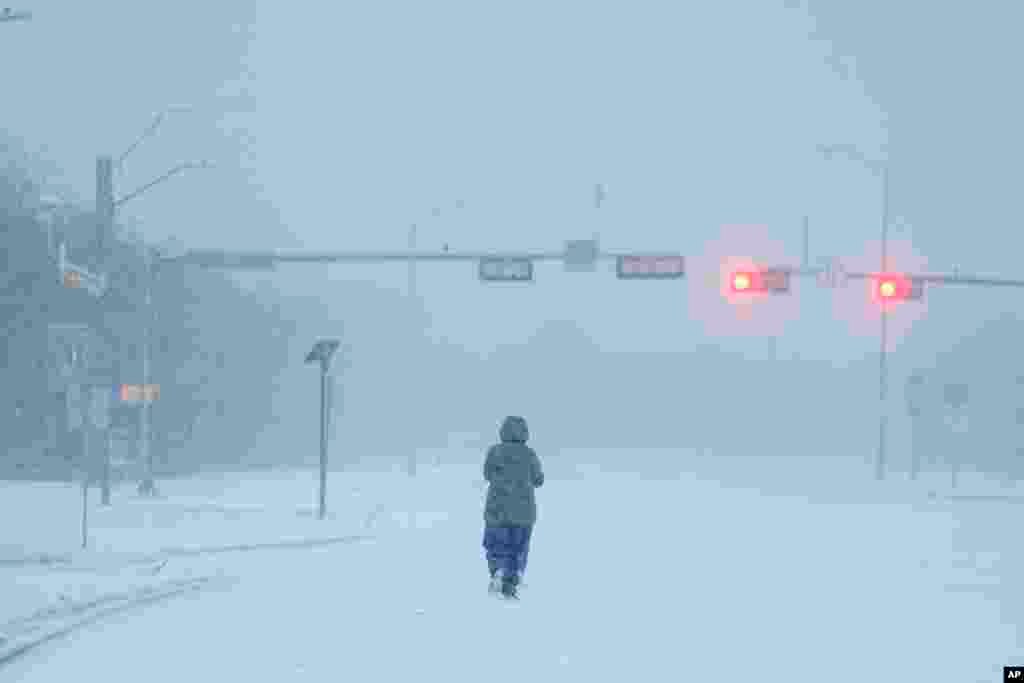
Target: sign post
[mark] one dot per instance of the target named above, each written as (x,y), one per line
(85,495)
(955,396)
(321,353)
(914,391)
(99,417)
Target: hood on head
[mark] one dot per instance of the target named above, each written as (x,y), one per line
(514,429)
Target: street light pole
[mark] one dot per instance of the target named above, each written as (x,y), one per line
(147,486)
(107,207)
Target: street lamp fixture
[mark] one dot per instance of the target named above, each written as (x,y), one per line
(9,14)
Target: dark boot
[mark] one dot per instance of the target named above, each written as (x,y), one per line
(496,581)
(509,587)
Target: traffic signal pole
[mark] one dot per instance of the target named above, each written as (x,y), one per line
(322,503)
(412,361)
(883,417)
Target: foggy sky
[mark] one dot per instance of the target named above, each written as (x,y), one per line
(337,125)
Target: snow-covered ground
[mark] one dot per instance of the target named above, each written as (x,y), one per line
(649,565)
(45,575)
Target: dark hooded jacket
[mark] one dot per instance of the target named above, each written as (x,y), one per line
(513,471)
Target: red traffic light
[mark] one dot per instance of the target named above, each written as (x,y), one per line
(741,281)
(759,281)
(896,287)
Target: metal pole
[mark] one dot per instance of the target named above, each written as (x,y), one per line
(85,486)
(412,356)
(105,490)
(323,439)
(955,453)
(105,239)
(915,456)
(882,365)
(806,243)
(104,202)
(148,485)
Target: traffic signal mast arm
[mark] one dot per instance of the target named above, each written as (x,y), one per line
(934,278)
(955,279)
(218,258)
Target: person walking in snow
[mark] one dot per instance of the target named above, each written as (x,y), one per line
(512,471)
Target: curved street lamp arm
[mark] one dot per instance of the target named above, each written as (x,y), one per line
(158,120)
(166,176)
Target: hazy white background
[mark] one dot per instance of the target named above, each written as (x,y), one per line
(336,125)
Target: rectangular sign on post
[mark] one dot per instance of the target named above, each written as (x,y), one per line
(506,269)
(639,267)
(139,393)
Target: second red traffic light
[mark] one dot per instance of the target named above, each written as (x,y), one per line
(896,287)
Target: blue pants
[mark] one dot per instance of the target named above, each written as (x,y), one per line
(507,548)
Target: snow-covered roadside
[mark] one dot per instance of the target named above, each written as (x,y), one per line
(142,548)
(42,522)
(70,604)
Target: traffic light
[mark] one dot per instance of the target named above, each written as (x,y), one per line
(759,281)
(896,287)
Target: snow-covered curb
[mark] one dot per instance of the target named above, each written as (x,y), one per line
(23,635)
(47,591)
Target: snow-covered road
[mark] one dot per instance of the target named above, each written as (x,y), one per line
(630,579)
